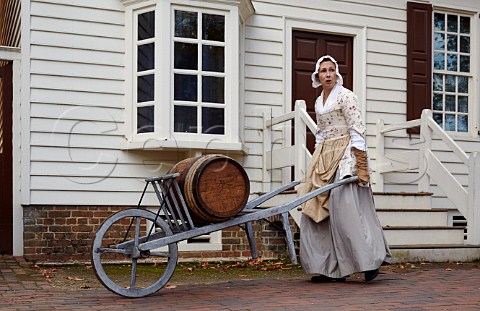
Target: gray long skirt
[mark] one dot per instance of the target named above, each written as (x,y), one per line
(350,240)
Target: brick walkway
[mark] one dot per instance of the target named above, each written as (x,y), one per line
(430,288)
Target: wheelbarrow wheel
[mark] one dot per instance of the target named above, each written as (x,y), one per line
(119,264)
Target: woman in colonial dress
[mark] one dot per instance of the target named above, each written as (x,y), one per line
(340,233)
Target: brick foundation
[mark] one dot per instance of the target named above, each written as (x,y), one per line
(65,233)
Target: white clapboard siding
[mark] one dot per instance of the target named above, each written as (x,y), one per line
(76,112)
(83,99)
(65,69)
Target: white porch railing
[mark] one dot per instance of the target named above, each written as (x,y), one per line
(278,153)
(466,200)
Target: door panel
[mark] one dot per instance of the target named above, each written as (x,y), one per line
(307,48)
(6,200)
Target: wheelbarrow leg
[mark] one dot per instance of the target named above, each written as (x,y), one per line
(251,240)
(289,237)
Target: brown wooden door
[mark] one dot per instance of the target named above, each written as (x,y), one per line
(6,200)
(307,48)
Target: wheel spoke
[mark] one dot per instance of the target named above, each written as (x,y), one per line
(104,250)
(133,278)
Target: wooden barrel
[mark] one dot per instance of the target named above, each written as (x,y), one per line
(215,187)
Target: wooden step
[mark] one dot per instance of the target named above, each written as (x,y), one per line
(403,200)
(438,235)
(435,253)
(413,217)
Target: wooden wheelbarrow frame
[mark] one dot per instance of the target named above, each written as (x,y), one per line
(173,223)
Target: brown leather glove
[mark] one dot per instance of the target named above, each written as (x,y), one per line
(362,165)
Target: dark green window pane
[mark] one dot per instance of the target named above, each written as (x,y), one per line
(213,58)
(464,63)
(145,88)
(186,24)
(145,57)
(450,83)
(145,119)
(463,104)
(185,87)
(439,21)
(213,27)
(449,122)
(213,89)
(452,43)
(185,119)
(464,24)
(439,61)
(437,82)
(438,118)
(185,56)
(213,121)
(439,41)
(452,23)
(452,62)
(449,102)
(464,44)
(146,25)
(462,123)
(437,102)
(463,84)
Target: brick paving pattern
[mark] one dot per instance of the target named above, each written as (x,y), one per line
(428,288)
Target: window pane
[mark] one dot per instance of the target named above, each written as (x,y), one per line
(145,119)
(145,57)
(213,27)
(462,103)
(213,58)
(463,84)
(186,24)
(464,24)
(449,122)
(449,102)
(452,23)
(185,87)
(437,82)
(464,63)
(452,62)
(145,88)
(464,44)
(452,43)
(185,119)
(439,61)
(185,56)
(437,102)
(439,21)
(462,123)
(438,118)
(450,83)
(146,25)
(213,121)
(213,90)
(439,41)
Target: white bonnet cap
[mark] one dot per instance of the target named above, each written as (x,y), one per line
(315,82)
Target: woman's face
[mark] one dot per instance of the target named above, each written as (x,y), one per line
(327,75)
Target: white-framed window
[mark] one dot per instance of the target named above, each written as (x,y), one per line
(452,71)
(183,75)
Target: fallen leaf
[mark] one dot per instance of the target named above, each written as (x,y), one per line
(73,278)
(448,269)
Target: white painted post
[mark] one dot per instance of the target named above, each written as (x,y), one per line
(473,205)
(267,146)
(426,135)
(300,140)
(379,159)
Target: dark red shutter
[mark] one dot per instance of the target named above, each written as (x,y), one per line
(419,59)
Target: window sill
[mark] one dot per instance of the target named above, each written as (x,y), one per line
(185,145)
